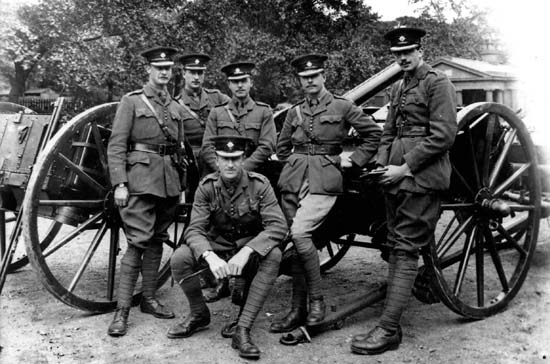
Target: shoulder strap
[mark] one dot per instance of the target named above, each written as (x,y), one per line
(299,115)
(236,125)
(163,126)
(191,112)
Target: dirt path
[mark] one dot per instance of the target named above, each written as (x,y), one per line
(36,328)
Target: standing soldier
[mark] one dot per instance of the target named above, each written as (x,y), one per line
(241,116)
(143,165)
(197,100)
(419,131)
(311,180)
(236,223)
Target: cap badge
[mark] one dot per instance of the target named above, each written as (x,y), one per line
(163,55)
(230,145)
(309,64)
(402,38)
(197,61)
(237,70)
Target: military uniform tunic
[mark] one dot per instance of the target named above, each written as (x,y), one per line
(327,125)
(224,222)
(152,179)
(253,119)
(144,172)
(201,106)
(420,129)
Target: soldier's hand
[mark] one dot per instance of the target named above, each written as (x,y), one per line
(218,266)
(239,260)
(121,196)
(395,174)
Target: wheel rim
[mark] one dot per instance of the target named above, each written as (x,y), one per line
(334,251)
(70,183)
(489,225)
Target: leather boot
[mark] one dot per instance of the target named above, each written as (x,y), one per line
(228,330)
(119,325)
(194,322)
(242,342)
(376,341)
(152,306)
(317,309)
(217,293)
(294,319)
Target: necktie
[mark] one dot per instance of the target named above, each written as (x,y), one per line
(162,96)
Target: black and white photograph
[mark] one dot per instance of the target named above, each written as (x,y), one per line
(276,181)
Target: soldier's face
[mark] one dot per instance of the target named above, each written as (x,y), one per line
(229,166)
(159,76)
(313,84)
(408,59)
(240,88)
(193,79)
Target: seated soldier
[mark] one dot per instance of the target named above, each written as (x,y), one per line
(235,223)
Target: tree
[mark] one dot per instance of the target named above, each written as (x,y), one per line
(90,48)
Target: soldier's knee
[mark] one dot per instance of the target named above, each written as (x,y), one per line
(275,255)
(182,257)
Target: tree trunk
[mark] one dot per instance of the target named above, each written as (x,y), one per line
(18,82)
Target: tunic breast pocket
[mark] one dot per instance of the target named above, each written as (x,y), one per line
(331,127)
(416,105)
(226,128)
(248,207)
(253,130)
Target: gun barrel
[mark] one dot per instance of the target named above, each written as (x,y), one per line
(367,89)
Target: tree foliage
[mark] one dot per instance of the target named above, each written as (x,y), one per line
(90,48)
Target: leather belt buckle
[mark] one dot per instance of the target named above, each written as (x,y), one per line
(310,149)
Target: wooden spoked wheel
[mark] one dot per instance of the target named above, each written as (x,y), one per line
(489,225)
(70,184)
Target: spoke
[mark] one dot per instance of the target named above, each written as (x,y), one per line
(465,259)
(478,120)
(329,249)
(480,279)
(496,259)
(73,234)
(100,147)
(490,126)
(83,175)
(462,180)
(171,244)
(501,158)
(88,256)
(446,231)
(510,180)
(511,240)
(444,247)
(474,160)
(93,204)
(456,206)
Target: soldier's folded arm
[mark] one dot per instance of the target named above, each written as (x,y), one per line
(369,132)
(443,126)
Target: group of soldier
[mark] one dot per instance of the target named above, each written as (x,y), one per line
(238,228)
